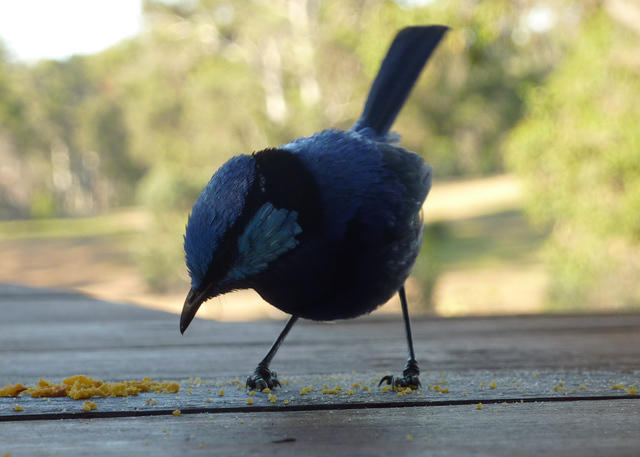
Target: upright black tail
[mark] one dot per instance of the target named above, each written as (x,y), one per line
(408,53)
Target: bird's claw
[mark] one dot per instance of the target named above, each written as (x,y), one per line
(263,378)
(410,377)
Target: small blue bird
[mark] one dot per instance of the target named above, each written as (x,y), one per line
(325,227)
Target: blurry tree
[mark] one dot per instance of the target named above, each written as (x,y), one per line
(579,150)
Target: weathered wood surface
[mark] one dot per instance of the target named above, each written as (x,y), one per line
(541,360)
(581,429)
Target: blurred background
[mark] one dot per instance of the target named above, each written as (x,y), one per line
(114,115)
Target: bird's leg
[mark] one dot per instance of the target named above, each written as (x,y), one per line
(410,375)
(263,377)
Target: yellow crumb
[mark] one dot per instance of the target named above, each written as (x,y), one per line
(89,406)
(336,390)
(493,385)
(266,390)
(409,437)
(81,387)
(306,390)
(221,393)
(349,392)
(582,387)
(385,388)
(177,412)
(618,387)
(6,454)
(272,398)
(286,402)
(464,394)
(366,388)
(633,390)
(479,406)
(483,384)
(208,400)
(12,390)
(249,401)
(18,408)
(355,385)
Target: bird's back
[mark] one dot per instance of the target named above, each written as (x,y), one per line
(371,194)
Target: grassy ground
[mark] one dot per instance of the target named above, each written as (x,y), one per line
(480,256)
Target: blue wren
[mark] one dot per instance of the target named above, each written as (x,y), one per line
(325,227)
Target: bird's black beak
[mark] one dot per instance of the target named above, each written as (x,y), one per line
(191,304)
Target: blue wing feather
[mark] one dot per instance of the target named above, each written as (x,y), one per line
(270,233)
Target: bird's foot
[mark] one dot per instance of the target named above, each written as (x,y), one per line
(262,378)
(410,377)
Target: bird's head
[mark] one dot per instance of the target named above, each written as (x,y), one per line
(244,218)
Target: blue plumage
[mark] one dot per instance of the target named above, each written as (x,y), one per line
(216,209)
(324,227)
(270,233)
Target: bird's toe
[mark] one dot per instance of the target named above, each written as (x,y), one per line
(263,378)
(410,377)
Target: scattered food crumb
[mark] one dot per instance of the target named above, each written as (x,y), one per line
(385,388)
(464,394)
(221,393)
(409,437)
(493,385)
(6,454)
(483,384)
(286,402)
(249,401)
(306,390)
(208,400)
(18,408)
(266,390)
(479,406)
(89,406)
(618,387)
(12,390)
(582,387)
(272,398)
(177,412)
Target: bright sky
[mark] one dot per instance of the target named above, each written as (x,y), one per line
(54,29)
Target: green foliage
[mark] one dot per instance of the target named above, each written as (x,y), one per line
(579,150)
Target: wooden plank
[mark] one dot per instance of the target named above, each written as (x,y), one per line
(55,335)
(59,335)
(341,391)
(581,429)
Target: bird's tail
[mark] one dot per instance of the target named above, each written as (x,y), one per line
(408,53)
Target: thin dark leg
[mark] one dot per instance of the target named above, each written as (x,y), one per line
(263,377)
(411,370)
(411,373)
(407,323)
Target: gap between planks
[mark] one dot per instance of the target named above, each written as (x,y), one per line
(308,407)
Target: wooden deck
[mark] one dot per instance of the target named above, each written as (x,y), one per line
(545,384)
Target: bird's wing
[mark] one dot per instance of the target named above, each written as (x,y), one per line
(270,233)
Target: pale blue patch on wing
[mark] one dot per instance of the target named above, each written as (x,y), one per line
(271,233)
